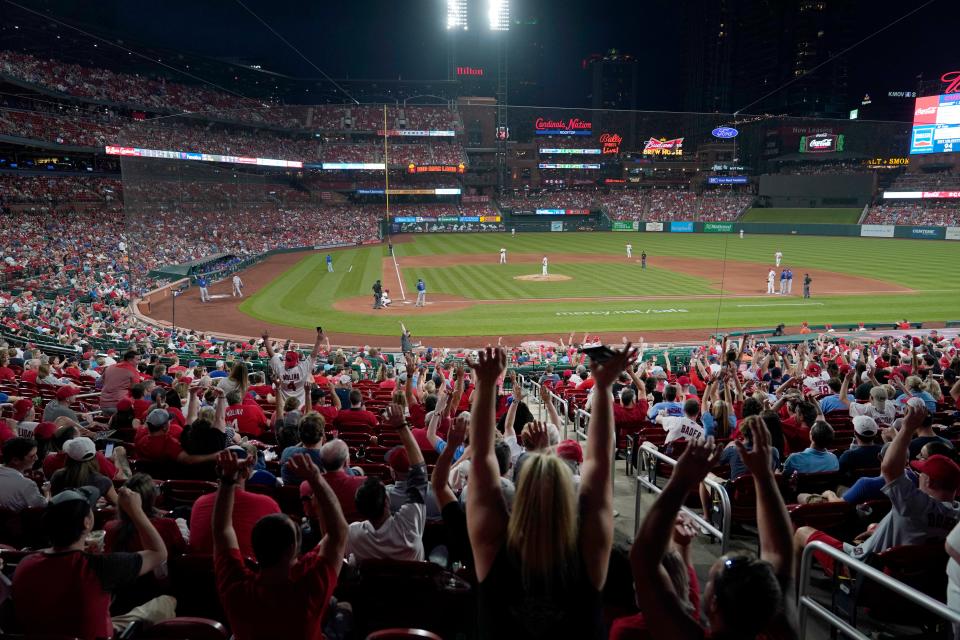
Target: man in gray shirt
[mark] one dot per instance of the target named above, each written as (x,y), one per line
(919,515)
(60,407)
(397,493)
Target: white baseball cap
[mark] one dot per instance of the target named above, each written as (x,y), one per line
(865,426)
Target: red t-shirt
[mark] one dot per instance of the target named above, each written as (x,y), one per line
(248,508)
(117,381)
(355,418)
(140,408)
(77,584)
(295,608)
(166,527)
(248,419)
(6,373)
(418,414)
(345,487)
(795,437)
(157,448)
(635,627)
(388,384)
(30,375)
(262,390)
(56,461)
(632,416)
(329,413)
(6,432)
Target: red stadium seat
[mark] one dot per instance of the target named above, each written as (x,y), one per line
(185,629)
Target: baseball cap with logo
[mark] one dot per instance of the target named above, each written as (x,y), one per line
(942,471)
(813,369)
(67,391)
(291,359)
(865,426)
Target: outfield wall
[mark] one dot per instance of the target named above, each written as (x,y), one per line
(768,228)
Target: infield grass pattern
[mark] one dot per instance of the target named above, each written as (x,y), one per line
(304,294)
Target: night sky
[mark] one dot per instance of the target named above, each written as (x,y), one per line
(391,38)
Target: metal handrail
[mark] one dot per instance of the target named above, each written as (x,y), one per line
(806,603)
(647,453)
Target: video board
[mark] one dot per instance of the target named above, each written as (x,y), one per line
(936,124)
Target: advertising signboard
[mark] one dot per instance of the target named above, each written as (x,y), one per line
(728,180)
(718,227)
(654,226)
(876,230)
(561,127)
(953,233)
(936,124)
(625,225)
(681,227)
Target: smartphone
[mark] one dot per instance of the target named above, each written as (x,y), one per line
(599,354)
(108,450)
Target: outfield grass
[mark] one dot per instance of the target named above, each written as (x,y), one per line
(803,216)
(303,296)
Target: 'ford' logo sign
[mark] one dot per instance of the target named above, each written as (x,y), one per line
(725,132)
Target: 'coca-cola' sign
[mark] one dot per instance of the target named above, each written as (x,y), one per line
(569,127)
(611,143)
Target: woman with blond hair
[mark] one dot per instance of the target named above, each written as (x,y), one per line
(542,565)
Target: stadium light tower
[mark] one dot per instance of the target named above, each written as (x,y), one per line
(499,14)
(457,14)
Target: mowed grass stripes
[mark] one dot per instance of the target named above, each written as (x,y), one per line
(587,280)
(303,296)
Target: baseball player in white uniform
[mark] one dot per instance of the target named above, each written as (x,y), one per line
(741,234)
(237,287)
(503,256)
(290,372)
(543,271)
(778,257)
(771,276)
(629,250)
(513,232)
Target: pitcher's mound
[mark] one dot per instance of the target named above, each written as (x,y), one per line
(539,278)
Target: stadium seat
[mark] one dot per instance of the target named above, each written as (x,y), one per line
(179,493)
(403,634)
(184,628)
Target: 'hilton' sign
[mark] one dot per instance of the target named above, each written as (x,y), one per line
(469,71)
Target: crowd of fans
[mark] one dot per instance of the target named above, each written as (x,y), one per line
(165,96)
(330,463)
(184,135)
(913,212)
(661,205)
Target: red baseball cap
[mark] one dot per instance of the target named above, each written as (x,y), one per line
(21,407)
(397,459)
(813,369)
(291,359)
(306,490)
(45,430)
(125,404)
(942,471)
(67,391)
(570,450)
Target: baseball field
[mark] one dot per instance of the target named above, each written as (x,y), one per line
(693,284)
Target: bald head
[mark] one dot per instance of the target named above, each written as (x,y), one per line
(334,455)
